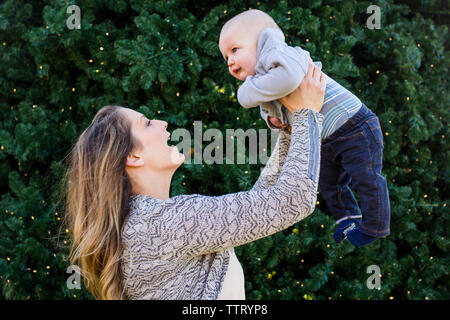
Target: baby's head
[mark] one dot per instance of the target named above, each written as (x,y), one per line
(239,39)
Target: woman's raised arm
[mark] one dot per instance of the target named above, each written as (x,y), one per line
(192,225)
(310,92)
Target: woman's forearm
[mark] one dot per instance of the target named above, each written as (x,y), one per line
(270,173)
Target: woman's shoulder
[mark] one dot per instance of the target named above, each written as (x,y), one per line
(151,217)
(142,202)
(143,206)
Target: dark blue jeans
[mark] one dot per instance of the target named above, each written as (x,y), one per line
(354,153)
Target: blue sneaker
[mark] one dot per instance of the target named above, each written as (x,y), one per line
(359,239)
(344,228)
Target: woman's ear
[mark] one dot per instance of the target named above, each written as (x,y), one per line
(134,160)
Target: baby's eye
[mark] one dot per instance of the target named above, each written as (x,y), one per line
(234,50)
(148,123)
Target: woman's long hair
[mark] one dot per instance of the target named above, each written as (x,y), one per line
(97,199)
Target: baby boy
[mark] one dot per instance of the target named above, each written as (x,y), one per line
(352,142)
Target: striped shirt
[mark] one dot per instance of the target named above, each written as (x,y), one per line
(339,106)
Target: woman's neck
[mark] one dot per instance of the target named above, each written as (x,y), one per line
(153,184)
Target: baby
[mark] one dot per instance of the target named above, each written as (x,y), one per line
(352,142)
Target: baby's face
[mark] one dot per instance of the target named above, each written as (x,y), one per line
(240,52)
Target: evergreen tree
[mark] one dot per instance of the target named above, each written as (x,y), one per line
(162,59)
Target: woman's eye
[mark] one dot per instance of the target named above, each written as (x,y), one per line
(148,123)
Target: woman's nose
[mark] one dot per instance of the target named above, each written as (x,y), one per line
(163,124)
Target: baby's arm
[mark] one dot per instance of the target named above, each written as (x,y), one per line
(285,71)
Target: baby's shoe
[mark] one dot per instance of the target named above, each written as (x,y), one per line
(344,227)
(359,239)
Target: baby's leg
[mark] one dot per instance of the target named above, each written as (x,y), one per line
(334,187)
(362,156)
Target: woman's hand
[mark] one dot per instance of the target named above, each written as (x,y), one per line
(309,94)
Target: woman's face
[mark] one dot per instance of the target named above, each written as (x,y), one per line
(153,150)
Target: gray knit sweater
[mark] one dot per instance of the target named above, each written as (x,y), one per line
(179,248)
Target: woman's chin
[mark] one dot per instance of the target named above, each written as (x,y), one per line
(175,156)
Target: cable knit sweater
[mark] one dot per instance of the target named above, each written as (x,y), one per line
(179,248)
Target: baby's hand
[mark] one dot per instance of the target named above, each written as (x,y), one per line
(276,122)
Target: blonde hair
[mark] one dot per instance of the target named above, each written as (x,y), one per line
(254,18)
(97,199)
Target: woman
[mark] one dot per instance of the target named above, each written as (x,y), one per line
(131,241)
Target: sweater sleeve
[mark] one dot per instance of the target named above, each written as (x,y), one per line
(270,173)
(192,225)
(284,72)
